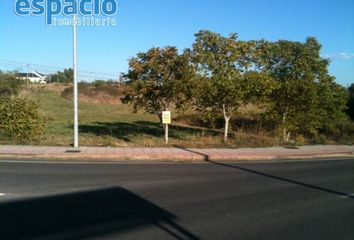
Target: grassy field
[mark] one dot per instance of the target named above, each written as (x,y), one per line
(104,124)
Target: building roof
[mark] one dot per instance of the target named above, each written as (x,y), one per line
(30,75)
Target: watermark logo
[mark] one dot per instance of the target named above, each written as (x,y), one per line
(89,12)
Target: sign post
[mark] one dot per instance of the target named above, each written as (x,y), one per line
(166,120)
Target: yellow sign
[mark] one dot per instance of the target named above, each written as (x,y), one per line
(166,117)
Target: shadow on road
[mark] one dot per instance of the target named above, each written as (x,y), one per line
(207,159)
(83,214)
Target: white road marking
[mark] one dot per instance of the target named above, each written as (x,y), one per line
(351,195)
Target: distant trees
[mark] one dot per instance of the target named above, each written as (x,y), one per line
(290,80)
(66,76)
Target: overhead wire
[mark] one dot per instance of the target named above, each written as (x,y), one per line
(11,65)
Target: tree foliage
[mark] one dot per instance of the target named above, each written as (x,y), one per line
(157,80)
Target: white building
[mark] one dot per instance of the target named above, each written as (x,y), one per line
(33,77)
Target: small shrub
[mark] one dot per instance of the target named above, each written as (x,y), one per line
(99,83)
(254,140)
(345,134)
(320,139)
(20,119)
(300,140)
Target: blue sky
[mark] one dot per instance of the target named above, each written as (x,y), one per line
(144,24)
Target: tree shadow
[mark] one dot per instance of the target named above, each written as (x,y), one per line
(239,122)
(84,214)
(207,159)
(125,131)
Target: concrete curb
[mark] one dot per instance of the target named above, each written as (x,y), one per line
(175,158)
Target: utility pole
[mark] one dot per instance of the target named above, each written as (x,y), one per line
(76,105)
(27,74)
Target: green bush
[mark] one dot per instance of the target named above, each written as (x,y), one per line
(20,119)
(9,85)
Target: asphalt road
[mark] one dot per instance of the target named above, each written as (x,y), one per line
(279,200)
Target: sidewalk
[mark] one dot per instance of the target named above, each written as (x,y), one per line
(173,154)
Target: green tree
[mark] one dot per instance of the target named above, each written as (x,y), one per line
(157,80)
(305,95)
(227,76)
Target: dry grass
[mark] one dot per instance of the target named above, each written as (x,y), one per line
(96,94)
(100,98)
(34,88)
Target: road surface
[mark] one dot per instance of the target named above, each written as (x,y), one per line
(274,200)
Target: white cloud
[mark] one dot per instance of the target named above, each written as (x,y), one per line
(342,55)
(346,55)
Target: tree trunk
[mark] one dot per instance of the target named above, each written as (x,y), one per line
(286,135)
(227,123)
